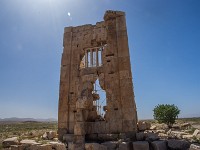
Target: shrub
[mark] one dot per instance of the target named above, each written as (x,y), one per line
(166,113)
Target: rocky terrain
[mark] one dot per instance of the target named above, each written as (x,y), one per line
(184,135)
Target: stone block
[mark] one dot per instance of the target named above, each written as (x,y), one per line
(195,146)
(94,146)
(79,139)
(141,145)
(178,144)
(89,127)
(70,146)
(108,137)
(125,74)
(128,112)
(151,137)
(196,132)
(28,142)
(82,103)
(79,128)
(131,135)
(10,141)
(128,125)
(91,137)
(111,145)
(115,127)
(125,146)
(122,136)
(58,145)
(71,127)
(49,135)
(159,145)
(45,147)
(79,115)
(142,125)
(140,136)
(79,146)
(68,138)
(14,147)
(68,29)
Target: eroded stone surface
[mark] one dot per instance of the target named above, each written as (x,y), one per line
(91,53)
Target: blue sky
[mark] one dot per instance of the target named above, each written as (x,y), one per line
(164,42)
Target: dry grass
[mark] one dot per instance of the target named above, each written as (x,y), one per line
(23,130)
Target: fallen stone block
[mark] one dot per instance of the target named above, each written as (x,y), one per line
(49,135)
(141,145)
(142,125)
(159,145)
(10,141)
(187,136)
(153,127)
(28,142)
(196,132)
(194,147)
(185,125)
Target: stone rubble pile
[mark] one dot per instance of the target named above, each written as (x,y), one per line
(148,137)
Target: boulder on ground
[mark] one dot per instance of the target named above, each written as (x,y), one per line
(10,141)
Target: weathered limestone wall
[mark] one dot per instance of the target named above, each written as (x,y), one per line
(77,115)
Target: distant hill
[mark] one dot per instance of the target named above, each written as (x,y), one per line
(15,119)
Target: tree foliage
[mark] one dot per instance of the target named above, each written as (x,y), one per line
(166,113)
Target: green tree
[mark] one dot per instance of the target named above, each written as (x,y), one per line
(166,113)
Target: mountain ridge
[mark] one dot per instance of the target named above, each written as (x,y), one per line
(16,119)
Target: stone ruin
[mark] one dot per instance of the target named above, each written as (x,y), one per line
(94,53)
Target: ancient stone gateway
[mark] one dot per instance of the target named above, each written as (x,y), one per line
(96,52)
